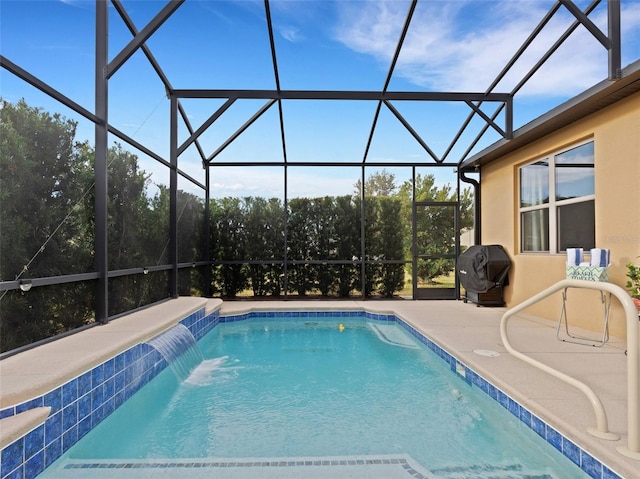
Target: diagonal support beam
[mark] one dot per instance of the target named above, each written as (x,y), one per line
(489,121)
(154,63)
(134,31)
(46,89)
(587,23)
(413,132)
(272,43)
(482,132)
(274,59)
(509,118)
(218,113)
(553,48)
(185,118)
(392,67)
(142,37)
(403,35)
(611,41)
(241,130)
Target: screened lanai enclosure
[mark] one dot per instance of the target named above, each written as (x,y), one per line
(262,149)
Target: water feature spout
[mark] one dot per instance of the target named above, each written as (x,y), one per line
(178,347)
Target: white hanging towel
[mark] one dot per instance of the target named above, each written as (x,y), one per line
(600,257)
(574,256)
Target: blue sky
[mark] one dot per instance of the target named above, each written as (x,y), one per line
(454,45)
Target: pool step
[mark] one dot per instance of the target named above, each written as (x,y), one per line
(352,467)
(358,467)
(393,335)
(487,471)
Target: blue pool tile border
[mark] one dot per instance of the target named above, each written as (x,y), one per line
(83,402)
(308,314)
(589,464)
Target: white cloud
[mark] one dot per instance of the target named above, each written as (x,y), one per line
(252,181)
(268,182)
(463,45)
(371,27)
(290,33)
(232,187)
(77,3)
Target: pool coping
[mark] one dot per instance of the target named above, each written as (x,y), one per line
(25,375)
(141,326)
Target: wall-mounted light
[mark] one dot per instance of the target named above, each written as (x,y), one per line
(145,271)
(25,285)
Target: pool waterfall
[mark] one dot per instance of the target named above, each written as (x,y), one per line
(179,348)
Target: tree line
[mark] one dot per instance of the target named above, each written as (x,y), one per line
(47,230)
(322,244)
(47,227)
(322,238)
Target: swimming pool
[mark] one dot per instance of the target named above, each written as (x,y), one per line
(288,392)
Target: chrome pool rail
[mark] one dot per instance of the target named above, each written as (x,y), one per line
(632,450)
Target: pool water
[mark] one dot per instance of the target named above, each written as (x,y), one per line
(294,387)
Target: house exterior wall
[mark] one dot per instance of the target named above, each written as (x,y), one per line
(615,131)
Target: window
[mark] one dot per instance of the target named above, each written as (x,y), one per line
(557,201)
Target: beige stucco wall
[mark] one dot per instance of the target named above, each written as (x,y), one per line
(616,134)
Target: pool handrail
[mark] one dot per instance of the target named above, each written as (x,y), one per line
(633,362)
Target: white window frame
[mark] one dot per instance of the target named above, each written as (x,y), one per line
(552,205)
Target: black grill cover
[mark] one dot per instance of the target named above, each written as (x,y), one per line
(483,267)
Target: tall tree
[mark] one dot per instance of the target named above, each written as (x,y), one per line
(347,246)
(391,245)
(301,245)
(191,244)
(229,243)
(135,236)
(324,231)
(127,210)
(45,180)
(265,241)
(373,246)
(380,183)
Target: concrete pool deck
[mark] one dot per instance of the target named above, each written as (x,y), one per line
(457,327)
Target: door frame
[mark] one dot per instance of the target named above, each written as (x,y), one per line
(434,293)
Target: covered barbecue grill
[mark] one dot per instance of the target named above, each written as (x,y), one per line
(483,272)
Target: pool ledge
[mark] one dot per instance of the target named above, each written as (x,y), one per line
(35,372)
(14,427)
